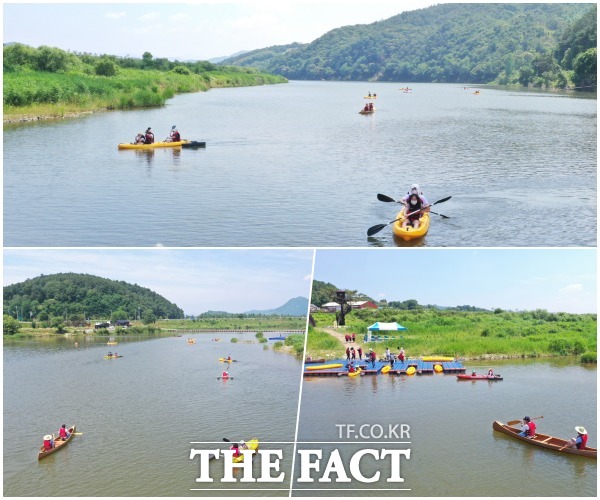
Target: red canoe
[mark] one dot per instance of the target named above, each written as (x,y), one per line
(464,376)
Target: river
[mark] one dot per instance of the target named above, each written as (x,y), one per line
(296,165)
(454,451)
(139,414)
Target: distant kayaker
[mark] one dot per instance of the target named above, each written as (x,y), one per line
(48,442)
(413,210)
(351,368)
(110,354)
(175,136)
(149,137)
(490,373)
(366,108)
(243,445)
(63,433)
(140,139)
(580,441)
(225,374)
(236,450)
(370,106)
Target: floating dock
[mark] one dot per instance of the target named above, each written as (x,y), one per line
(397,368)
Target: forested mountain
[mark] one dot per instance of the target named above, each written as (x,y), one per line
(294,307)
(466,43)
(84,295)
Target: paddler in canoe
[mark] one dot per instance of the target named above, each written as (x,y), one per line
(580,441)
(528,428)
(63,433)
(48,442)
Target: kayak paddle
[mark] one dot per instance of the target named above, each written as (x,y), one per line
(387,199)
(513,422)
(224,378)
(375,229)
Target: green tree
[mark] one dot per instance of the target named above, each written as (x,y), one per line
(147,61)
(148,317)
(10,325)
(585,68)
(106,67)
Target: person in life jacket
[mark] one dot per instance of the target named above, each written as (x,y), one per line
(236,449)
(140,139)
(149,137)
(414,189)
(63,433)
(366,108)
(225,374)
(48,442)
(175,136)
(528,428)
(413,210)
(580,441)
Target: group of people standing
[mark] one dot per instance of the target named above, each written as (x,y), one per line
(148,136)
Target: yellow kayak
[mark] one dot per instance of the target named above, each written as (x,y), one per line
(158,144)
(324,367)
(354,374)
(252,445)
(386,369)
(409,232)
(437,358)
(411,370)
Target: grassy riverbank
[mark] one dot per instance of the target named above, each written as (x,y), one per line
(34,95)
(170,327)
(470,335)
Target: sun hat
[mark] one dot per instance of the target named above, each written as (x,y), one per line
(581,430)
(47,437)
(526,418)
(242,442)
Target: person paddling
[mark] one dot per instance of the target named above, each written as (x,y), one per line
(63,433)
(149,137)
(48,442)
(413,211)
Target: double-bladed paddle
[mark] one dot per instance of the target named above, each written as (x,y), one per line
(375,229)
(513,422)
(387,199)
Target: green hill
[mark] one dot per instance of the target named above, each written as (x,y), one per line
(466,43)
(85,296)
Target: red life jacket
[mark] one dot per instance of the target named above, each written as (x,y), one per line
(583,443)
(62,433)
(149,138)
(236,451)
(225,375)
(47,445)
(532,428)
(175,136)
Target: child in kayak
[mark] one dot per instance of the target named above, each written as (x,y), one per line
(413,211)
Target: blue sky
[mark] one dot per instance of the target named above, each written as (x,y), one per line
(515,279)
(195,280)
(200,30)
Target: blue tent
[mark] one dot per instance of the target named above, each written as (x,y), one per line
(385,327)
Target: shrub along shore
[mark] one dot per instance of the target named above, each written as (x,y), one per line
(466,335)
(49,83)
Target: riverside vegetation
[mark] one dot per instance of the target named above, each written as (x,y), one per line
(49,82)
(466,334)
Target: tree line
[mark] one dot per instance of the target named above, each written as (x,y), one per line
(539,45)
(77,298)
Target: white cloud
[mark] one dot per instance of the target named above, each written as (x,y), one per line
(149,17)
(573,289)
(116,15)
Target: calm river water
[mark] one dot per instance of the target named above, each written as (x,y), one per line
(139,414)
(454,451)
(296,165)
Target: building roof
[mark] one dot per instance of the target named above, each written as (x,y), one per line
(378,327)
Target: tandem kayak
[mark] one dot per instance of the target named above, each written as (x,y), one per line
(463,376)
(355,373)
(363,112)
(409,232)
(324,367)
(225,360)
(112,357)
(252,445)
(158,144)
(545,441)
(58,444)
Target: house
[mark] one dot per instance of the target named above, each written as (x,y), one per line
(331,307)
(313,308)
(363,304)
